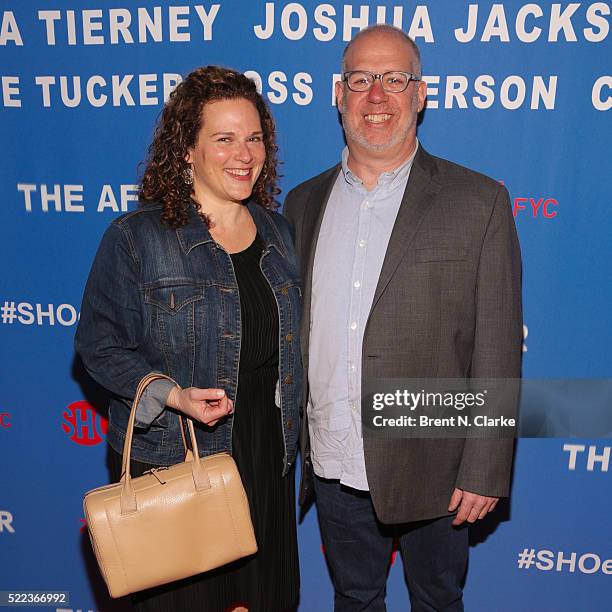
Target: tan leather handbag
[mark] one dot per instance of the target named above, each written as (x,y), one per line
(169,523)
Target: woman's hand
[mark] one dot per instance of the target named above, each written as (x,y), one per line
(204,405)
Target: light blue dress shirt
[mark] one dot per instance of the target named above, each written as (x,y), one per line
(351,247)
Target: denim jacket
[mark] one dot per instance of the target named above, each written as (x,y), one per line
(166,300)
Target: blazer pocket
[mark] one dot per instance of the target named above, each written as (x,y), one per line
(437,253)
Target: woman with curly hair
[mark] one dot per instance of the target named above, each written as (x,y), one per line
(201,283)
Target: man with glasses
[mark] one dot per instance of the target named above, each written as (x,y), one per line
(411,269)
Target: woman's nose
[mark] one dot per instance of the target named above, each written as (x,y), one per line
(243,153)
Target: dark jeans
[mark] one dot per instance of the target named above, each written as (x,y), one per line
(358,549)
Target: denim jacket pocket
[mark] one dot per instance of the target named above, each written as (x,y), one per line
(175,313)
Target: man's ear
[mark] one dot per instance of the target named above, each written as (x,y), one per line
(422,94)
(339,88)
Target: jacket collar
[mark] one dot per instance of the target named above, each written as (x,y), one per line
(195,232)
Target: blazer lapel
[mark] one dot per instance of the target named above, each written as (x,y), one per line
(418,196)
(311,225)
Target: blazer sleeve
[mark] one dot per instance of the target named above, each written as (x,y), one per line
(486,463)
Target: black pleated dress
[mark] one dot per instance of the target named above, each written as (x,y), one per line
(269,580)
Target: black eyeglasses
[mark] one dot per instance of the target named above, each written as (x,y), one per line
(392,82)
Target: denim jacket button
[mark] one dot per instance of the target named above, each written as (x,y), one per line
(289,337)
(288,379)
(285,291)
(289,424)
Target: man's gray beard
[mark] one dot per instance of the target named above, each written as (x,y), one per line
(361,140)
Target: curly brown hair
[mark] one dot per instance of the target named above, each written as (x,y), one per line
(177,131)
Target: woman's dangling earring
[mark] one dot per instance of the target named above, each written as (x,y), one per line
(188,175)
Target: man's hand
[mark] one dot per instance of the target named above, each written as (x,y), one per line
(204,405)
(471,506)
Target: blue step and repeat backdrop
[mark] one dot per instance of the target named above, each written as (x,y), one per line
(519,91)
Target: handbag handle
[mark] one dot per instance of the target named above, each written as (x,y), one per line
(201,479)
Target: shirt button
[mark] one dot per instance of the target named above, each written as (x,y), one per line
(352,367)
(353,325)
(362,243)
(357,284)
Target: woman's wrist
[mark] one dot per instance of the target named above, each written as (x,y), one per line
(174,397)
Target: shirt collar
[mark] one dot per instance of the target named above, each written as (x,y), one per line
(390,179)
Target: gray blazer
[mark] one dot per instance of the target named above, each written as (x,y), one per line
(447,305)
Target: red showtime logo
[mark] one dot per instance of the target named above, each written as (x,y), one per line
(5,420)
(543,207)
(83,424)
